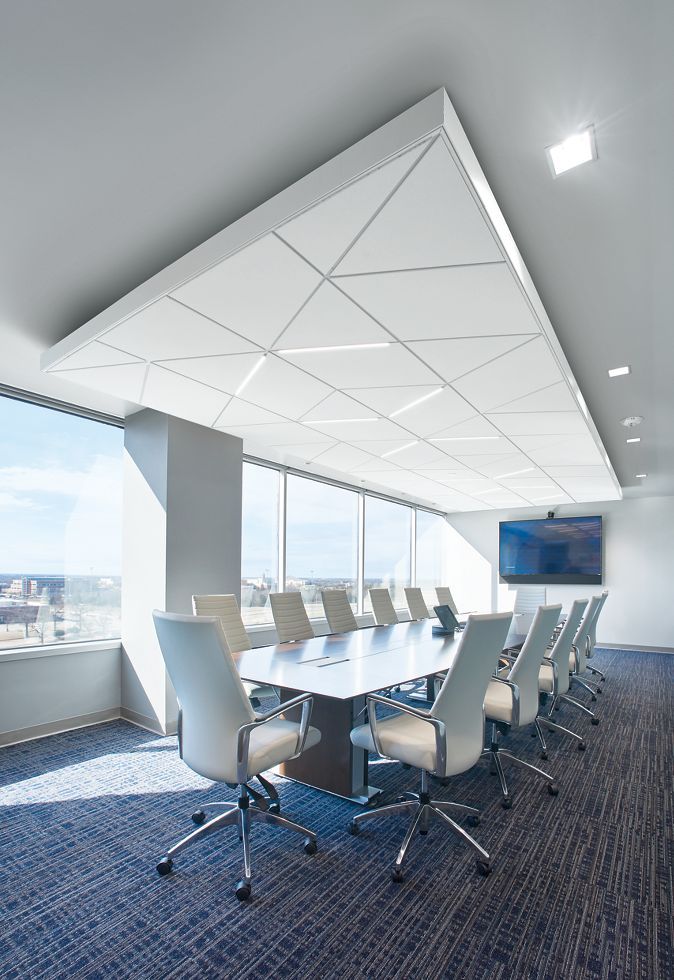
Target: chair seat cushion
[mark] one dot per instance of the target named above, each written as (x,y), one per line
(498,702)
(276,742)
(412,741)
(545,678)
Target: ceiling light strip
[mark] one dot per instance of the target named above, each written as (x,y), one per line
(334,347)
(253,371)
(417,401)
(392,452)
(529,469)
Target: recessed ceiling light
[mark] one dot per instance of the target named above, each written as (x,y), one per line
(336,421)
(571,152)
(255,368)
(325,350)
(392,452)
(463,438)
(529,469)
(631,420)
(636,439)
(617,372)
(417,401)
(640,476)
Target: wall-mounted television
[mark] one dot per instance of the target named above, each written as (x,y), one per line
(557,551)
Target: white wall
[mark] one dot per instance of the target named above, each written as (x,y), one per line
(638,567)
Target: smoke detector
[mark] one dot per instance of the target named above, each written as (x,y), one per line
(631,421)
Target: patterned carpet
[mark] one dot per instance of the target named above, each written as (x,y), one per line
(581,887)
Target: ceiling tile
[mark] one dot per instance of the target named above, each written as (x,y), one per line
(225,372)
(387,400)
(559,471)
(343,457)
(446,474)
(124,381)
(432,219)
(579,450)
(338,406)
(476,427)
(358,431)
(420,454)
(94,354)
(326,230)
(466,447)
(495,468)
(534,423)
(379,447)
(304,451)
(255,291)
(555,398)
(330,318)
(280,434)
(381,464)
(479,460)
(280,387)
(171,393)
(392,365)
(440,410)
(516,373)
(240,412)
(461,301)
(454,358)
(167,329)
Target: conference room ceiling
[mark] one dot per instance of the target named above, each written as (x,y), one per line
(374,321)
(135,132)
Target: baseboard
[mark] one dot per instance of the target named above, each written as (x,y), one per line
(56,727)
(146,722)
(632,646)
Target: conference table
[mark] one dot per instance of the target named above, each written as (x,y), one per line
(340,670)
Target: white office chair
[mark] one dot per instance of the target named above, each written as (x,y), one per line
(553,675)
(220,736)
(512,700)
(445,598)
(592,640)
(290,617)
(226,608)
(382,607)
(578,659)
(416,604)
(527,600)
(444,741)
(338,611)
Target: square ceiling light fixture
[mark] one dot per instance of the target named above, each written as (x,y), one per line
(576,149)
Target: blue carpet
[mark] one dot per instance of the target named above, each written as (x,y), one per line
(581,887)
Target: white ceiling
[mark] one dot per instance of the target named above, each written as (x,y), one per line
(403,255)
(132,132)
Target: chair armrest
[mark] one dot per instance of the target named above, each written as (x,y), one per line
(439,727)
(243,740)
(549,662)
(516,698)
(576,657)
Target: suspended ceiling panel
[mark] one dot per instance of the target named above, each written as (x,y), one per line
(373,322)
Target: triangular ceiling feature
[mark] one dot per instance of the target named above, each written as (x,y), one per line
(454,358)
(95,355)
(239,412)
(555,398)
(324,232)
(329,319)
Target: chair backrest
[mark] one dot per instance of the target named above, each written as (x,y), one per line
(290,617)
(212,698)
(460,700)
(382,607)
(226,608)
(527,601)
(445,598)
(583,631)
(416,604)
(592,638)
(564,642)
(338,611)
(524,671)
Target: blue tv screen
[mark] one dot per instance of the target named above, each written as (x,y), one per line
(563,551)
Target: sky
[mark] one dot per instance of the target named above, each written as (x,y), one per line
(60,492)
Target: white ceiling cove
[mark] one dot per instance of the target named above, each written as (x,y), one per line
(463,399)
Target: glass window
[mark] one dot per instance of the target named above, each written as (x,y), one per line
(60,526)
(388,534)
(321,541)
(259,541)
(431,552)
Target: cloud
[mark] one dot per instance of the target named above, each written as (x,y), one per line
(100,481)
(10,501)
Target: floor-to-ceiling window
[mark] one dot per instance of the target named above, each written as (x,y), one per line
(388,548)
(321,541)
(431,554)
(259,541)
(60,526)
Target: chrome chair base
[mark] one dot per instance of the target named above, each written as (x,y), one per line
(495,754)
(554,727)
(422,808)
(240,814)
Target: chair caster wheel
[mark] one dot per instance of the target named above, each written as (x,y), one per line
(199,816)
(354,829)
(484,867)
(473,820)
(581,746)
(507,802)
(274,807)
(422,833)
(310,846)
(553,789)
(595,721)
(598,690)
(397,875)
(593,698)
(165,867)
(243,891)
(543,756)
(405,765)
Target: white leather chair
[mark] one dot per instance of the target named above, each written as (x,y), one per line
(220,736)
(445,598)
(444,741)
(553,675)
(382,607)
(527,600)
(416,604)
(290,617)
(578,660)
(338,611)
(592,640)
(512,698)
(226,608)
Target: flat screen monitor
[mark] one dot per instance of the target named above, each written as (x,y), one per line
(562,551)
